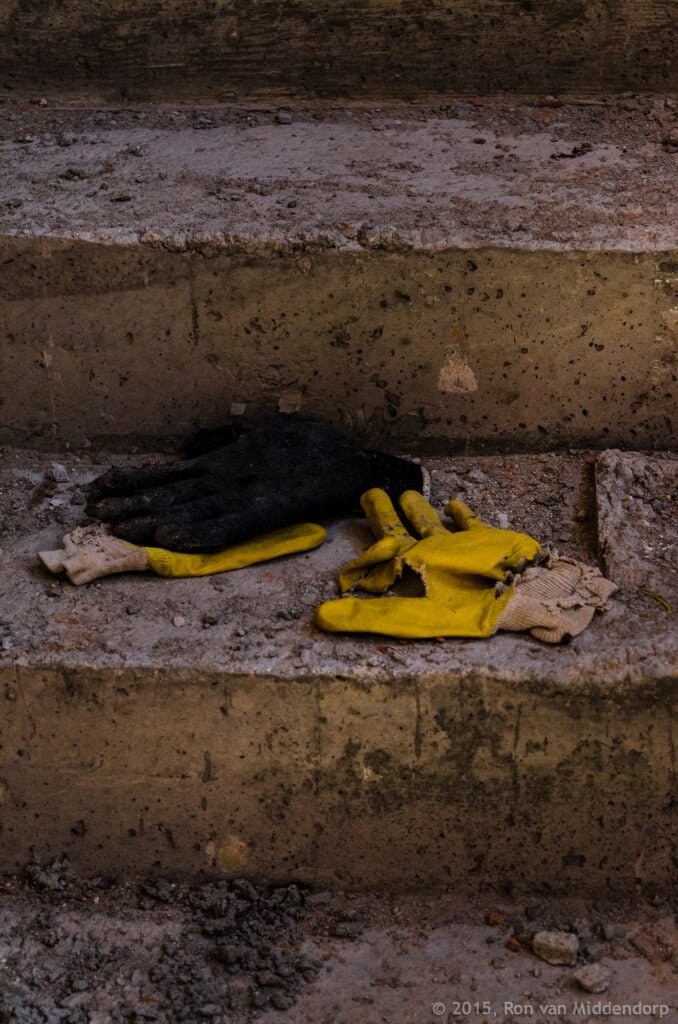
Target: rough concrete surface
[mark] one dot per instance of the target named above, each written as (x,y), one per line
(92,952)
(632,493)
(498,275)
(256,179)
(332,47)
(245,741)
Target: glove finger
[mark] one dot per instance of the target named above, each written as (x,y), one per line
(421,514)
(124,481)
(462,516)
(381,514)
(143,502)
(395,475)
(210,523)
(138,530)
(288,541)
(53,560)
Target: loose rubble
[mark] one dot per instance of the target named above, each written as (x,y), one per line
(81,952)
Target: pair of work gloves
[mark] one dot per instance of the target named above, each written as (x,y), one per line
(240,500)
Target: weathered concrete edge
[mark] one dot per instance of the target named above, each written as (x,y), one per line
(651,678)
(215,245)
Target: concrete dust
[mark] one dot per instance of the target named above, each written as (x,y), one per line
(95,952)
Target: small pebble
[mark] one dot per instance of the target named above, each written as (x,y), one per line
(58,473)
(593,978)
(558,948)
(178,620)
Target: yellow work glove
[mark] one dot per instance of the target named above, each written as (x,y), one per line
(459,570)
(91,552)
(468,578)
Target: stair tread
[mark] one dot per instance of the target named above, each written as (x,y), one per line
(263,614)
(526,174)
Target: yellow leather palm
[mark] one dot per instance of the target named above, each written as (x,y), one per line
(459,571)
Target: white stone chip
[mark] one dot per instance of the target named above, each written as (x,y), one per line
(593,977)
(558,948)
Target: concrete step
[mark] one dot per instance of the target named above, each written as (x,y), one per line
(486,273)
(205,726)
(167,48)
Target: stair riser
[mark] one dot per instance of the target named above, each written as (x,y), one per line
(449,782)
(172,49)
(490,348)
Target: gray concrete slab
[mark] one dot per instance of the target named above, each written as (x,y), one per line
(633,494)
(243,740)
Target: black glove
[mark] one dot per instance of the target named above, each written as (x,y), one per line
(276,472)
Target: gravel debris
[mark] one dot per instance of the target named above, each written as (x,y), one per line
(158,950)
